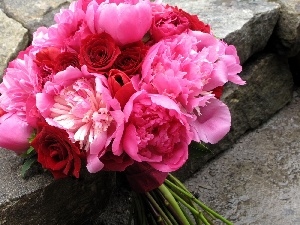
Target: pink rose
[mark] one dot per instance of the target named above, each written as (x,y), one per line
(14,133)
(125,21)
(156,131)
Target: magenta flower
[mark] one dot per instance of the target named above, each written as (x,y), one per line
(79,103)
(156,131)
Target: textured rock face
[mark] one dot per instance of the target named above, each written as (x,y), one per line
(33,14)
(40,200)
(245,24)
(257,180)
(286,38)
(13,38)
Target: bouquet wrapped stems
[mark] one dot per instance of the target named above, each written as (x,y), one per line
(171,204)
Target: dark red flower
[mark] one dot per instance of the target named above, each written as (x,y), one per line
(98,52)
(65,59)
(116,163)
(194,22)
(120,86)
(131,58)
(56,152)
(218,91)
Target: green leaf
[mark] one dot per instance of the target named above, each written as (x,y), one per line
(26,166)
(199,147)
(30,150)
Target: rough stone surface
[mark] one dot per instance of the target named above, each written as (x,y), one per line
(257,180)
(286,38)
(245,24)
(33,13)
(40,200)
(13,38)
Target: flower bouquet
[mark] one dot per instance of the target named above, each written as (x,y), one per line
(121,85)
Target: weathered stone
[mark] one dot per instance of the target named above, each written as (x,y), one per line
(13,38)
(257,180)
(33,13)
(245,24)
(286,38)
(40,200)
(269,87)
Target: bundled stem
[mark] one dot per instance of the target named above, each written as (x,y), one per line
(172,204)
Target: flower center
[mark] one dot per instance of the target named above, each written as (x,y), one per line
(81,111)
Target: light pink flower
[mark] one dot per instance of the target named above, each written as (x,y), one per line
(81,104)
(131,19)
(19,86)
(156,131)
(187,67)
(14,133)
(67,33)
(212,122)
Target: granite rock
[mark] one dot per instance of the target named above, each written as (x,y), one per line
(245,24)
(286,38)
(40,200)
(257,180)
(13,38)
(33,13)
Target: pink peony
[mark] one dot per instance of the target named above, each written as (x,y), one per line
(19,86)
(66,34)
(81,104)
(187,67)
(156,131)
(14,133)
(131,19)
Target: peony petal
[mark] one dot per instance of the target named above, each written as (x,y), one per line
(130,142)
(94,164)
(213,123)
(14,133)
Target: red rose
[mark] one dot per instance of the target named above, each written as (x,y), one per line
(56,152)
(45,60)
(65,59)
(120,86)
(98,52)
(194,22)
(131,58)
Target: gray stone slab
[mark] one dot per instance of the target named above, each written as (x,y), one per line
(247,24)
(13,38)
(287,33)
(257,180)
(33,13)
(41,200)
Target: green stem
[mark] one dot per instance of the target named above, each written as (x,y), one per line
(157,207)
(167,207)
(202,205)
(168,195)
